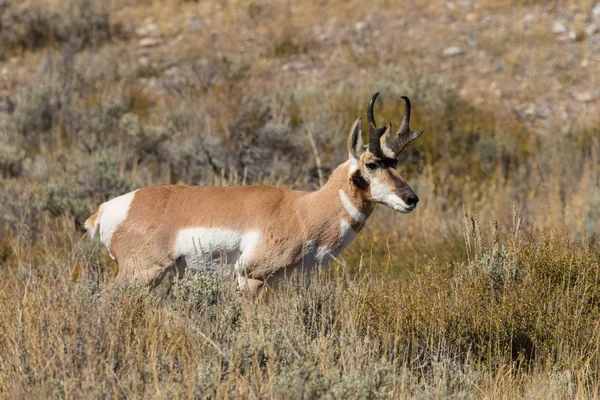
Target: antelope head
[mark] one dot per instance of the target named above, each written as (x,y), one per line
(373,168)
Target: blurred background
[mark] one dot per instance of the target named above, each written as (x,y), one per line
(100,97)
(97,98)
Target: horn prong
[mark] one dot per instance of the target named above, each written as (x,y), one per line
(404,135)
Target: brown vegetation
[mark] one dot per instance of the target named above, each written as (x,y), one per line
(97,98)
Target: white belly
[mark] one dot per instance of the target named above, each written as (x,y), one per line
(206,249)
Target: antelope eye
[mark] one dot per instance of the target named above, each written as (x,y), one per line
(371,166)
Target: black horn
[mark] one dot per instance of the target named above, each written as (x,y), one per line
(375,133)
(404,126)
(404,135)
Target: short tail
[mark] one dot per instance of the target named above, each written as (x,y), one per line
(92,224)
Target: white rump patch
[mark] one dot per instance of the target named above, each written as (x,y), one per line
(381,193)
(204,248)
(113,212)
(351,208)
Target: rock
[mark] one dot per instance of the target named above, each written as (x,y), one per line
(584,97)
(176,40)
(295,66)
(591,29)
(194,24)
(149,42)
(143,60)
(172,71)
(446,19)
(360,26)
(572,35)
(399,23)
(596,12)
(452,51)
(558,27)
(175,76)
(529,18)
(498,65)
(494,89)
(485,23)
(150,29)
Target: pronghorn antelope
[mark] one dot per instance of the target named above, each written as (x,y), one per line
(156,233)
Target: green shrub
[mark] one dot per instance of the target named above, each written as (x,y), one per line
(66,200)
(11,161)
(100,177)
(84,23)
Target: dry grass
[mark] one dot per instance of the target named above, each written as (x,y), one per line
(512,320)
(425,305)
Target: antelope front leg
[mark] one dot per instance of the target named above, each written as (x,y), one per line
(249,285)
(246,285)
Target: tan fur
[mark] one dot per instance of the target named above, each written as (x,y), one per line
(289,225)
(144,243)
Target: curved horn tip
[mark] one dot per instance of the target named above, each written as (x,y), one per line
(370,116)
(372,99)
(406,99)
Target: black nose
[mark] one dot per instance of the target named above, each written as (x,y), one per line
(412,200)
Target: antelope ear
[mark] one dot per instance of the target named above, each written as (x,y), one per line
(359,180)
(355,140)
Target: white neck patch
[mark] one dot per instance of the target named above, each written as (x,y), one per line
(354,212)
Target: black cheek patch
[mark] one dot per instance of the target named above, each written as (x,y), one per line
(359,181)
